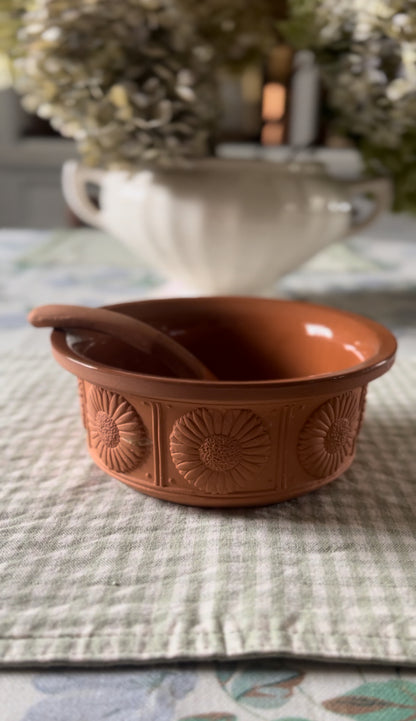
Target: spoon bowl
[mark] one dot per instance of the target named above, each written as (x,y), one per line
(141,336)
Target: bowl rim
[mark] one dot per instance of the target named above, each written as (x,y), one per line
(132,382)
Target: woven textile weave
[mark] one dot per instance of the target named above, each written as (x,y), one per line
(93,571)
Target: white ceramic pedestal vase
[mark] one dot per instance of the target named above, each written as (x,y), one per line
(223,226)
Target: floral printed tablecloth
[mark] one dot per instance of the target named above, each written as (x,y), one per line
(375,274)
(251,691)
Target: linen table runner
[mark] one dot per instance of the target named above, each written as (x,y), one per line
(93,571)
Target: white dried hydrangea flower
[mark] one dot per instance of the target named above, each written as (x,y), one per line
(131,81)
(367,54)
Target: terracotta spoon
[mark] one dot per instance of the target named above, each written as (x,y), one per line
(134,332)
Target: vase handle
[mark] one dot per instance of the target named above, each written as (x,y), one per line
(380,190)
(74,185)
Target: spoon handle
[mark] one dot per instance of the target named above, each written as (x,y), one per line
(135,333)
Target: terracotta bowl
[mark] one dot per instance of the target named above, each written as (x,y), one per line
(281,420)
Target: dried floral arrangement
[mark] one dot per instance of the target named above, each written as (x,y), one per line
(9,24)
(367,54)
(135,81)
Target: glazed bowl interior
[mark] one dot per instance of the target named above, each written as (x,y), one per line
(247,339)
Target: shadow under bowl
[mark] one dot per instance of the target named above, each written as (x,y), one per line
(282,419)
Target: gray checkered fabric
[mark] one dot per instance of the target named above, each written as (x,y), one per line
(93,571)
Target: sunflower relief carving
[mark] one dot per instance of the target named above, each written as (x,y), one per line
(219,452)
(363,402)
(82,400)
(327,438)
(116,430)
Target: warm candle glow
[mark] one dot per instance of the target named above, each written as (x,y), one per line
(274,101)
(272,134)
